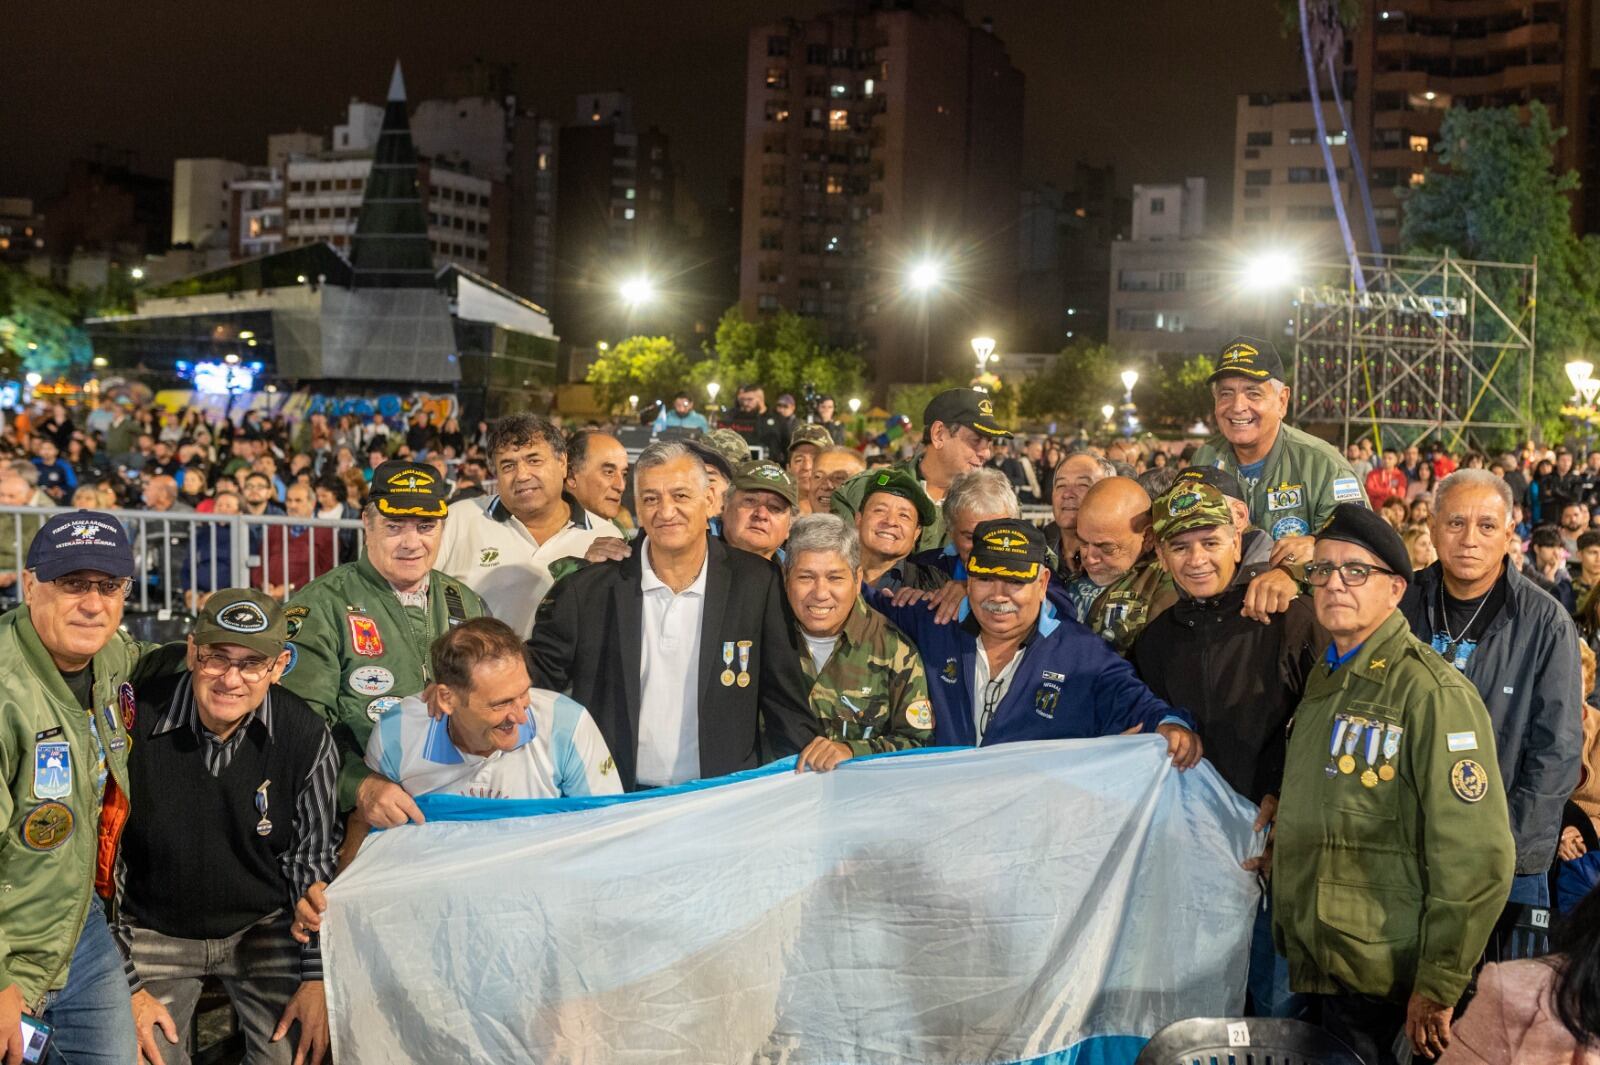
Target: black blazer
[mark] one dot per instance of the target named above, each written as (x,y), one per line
(586,643)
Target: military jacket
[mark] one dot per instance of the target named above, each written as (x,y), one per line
(1303,480)
(847,504)
(1393,849)
(58,762)
(355,652)
(1126,605)
(872,693)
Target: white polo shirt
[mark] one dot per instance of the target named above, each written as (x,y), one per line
(490,551)
(669,678)
(559,753)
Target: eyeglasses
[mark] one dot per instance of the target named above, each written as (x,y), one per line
(991,701)
(1354,574)
(78,587)
(251,669)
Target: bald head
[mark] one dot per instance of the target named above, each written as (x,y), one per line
(1113,528)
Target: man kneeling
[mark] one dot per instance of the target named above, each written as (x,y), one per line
(495,736)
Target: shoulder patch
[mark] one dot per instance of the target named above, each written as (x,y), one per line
(1347,490)
(293,617)
(1468,780)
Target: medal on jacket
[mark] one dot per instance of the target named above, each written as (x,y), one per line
(744,663)
(727,660)
(263,826)
(1340,725)
(1391,747)
(1347,760)
(1374,736)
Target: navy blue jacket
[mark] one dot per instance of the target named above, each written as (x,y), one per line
(1069,685)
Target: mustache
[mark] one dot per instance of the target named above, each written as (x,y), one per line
(998,606)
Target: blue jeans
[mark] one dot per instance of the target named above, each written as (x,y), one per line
(93,1015)
(1269,972)
(1531,889)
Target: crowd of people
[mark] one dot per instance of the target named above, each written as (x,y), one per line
(1390,657)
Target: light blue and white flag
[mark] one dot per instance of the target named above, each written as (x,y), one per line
(1042,902)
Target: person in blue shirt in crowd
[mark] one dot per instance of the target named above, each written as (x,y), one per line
(681,415)
(1017,667)
(56,478)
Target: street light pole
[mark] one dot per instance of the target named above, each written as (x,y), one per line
(1129,379)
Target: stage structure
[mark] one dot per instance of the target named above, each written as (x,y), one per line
(1436,348)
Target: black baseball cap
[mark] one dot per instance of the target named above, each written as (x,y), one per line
(1355,524)
(81,540)
(1222,480)
(964,406)
(1007,549)
(408,490)
(1248,357)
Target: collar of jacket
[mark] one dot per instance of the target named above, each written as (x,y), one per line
(1518,587)
(369,574)
(36,659)
(576,515)
(1376,657)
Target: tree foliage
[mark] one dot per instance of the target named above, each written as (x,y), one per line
(783,353)
(1174,394)
(1497,196)
(652,368)
(1074,387)
(39,330)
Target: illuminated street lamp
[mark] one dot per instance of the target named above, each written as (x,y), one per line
(983,348)
(636,291)
(924,276)
(137,273)
(1107,412)
(1268,270)
(855,405)
(633,404)
(1129,379)
(1579,371)
(712,388)
(1589,389)
(34,380)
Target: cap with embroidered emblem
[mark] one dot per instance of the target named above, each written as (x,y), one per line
(243,616)
(1248,357)
(964,406)
(897,481)
(1188,505)
(83,540)
(810,433)
(765,476)
(408,490)
(1007,549)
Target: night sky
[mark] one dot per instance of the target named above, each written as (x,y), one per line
(1148,85)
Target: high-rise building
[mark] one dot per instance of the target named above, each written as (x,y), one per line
(281,147)
(876,137)
(614,191)
(256,208)
(1280,179)
(202,204)
(1415,59)
(21,230)
(1169,284)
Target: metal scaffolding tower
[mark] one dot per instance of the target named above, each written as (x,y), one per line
(1434,346)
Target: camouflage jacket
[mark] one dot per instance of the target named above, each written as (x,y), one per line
(1127,604)
(872,693)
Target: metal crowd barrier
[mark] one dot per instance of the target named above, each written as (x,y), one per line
(183,555)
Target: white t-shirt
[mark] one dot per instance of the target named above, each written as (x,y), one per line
(821,648)
(560,753)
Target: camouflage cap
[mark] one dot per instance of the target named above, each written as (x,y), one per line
(766,476)
(899,482)
(810,433)
(1189,504)
(243,616)
(730,445)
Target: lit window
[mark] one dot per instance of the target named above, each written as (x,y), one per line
(1417,178)
(835,185)
(838,91)
(1337,139)
(839,119)
(1419,144)
(867,89)
(629,194)
(544,161)
(627,214)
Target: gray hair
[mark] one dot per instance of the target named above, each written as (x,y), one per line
(822,532)
(1473,478)
(1104,467)
(25,469)
(981,491)
(663,452)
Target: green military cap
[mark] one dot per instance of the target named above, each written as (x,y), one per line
(730,445)
(766,476)
(1188,504)
(810,433)
(897,481)
(408,490)
(243,616)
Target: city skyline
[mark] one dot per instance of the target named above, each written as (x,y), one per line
(130,91)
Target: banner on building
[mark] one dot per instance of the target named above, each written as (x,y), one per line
(1041,902)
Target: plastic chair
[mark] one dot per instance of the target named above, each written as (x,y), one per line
(1245,1041)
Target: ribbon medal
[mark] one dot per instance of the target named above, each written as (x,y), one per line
(1374,737)
(1340,725)
(744,663)
(727,660)
(1352,736)
(1391,747)
(263,826)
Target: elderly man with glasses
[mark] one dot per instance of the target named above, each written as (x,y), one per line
(1394,856)
(232,820)
(66,706)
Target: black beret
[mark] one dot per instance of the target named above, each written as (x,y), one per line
(1355,524)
